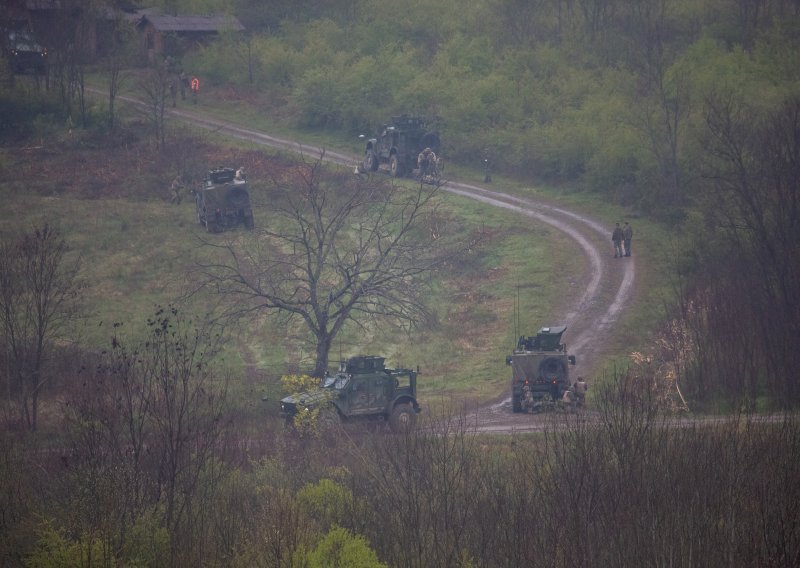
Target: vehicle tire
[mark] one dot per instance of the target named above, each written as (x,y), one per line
(249,224)
(370,161)
(403,418)
(211,226)
(395,167)
(516,404)
(238,198)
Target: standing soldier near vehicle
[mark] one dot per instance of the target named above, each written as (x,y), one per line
(627,236)
(175,189)
(616,238)
(425,161)
(580,387)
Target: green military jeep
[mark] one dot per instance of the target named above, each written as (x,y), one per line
(363,389)
(223,201)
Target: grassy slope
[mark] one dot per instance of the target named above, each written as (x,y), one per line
(137,253)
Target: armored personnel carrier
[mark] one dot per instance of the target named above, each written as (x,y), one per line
(223,200)
(540,368)
(398,144)
(363,389)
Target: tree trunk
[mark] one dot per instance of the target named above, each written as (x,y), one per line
(323,349)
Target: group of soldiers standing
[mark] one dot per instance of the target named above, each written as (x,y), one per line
(179,81)
(572,398)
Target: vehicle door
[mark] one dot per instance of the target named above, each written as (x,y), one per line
(368,394)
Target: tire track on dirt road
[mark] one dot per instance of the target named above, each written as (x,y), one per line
(590,321)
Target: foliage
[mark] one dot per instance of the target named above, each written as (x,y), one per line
(55,550)
(340,547)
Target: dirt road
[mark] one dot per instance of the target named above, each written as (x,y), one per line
(603,277)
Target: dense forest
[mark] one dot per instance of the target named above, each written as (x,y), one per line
(686,113)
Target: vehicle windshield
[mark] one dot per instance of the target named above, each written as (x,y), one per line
(337,381)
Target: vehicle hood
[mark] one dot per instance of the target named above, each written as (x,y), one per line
(306,399)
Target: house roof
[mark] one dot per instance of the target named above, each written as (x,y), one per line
(211,23)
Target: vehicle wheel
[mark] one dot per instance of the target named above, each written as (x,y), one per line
(237,198)
(211,226)
(249,224)
(370,162)
(395,167)
(403,418)
(516,404)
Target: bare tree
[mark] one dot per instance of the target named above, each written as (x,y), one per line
(117,59)
(150,421)
(341,248)
(155,86)
(38,300)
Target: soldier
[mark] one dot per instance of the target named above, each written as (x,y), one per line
(527,397)
(567,401)
(616,238)
(183,82)
(240,175)
(175,188)
(580,387)
(627,236)
(173,92)
(425,160)
(195,86)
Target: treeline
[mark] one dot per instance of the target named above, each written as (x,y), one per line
(133,484)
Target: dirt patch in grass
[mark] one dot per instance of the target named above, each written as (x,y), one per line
(124,164)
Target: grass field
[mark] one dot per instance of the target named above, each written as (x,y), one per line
(137,250)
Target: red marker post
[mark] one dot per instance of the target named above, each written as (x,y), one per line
(195,85)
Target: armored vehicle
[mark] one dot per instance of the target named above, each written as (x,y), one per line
(398,145)
(363,389)
(223,200)
(540,368)
(24,53)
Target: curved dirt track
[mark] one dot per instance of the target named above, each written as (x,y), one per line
(602,278)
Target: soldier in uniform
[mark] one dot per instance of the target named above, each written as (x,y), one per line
(425,160)
(616,238)
(175,188)
(567,401)
(627,237)
(527,398)
(580,387)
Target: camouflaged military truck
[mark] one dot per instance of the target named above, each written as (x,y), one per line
(540,368)
(363,389)
(398,144)
(223,200)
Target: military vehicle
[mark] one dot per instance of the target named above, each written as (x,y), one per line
(540,368)
(398,144)
(24,53)
(363,389)
(223,200)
